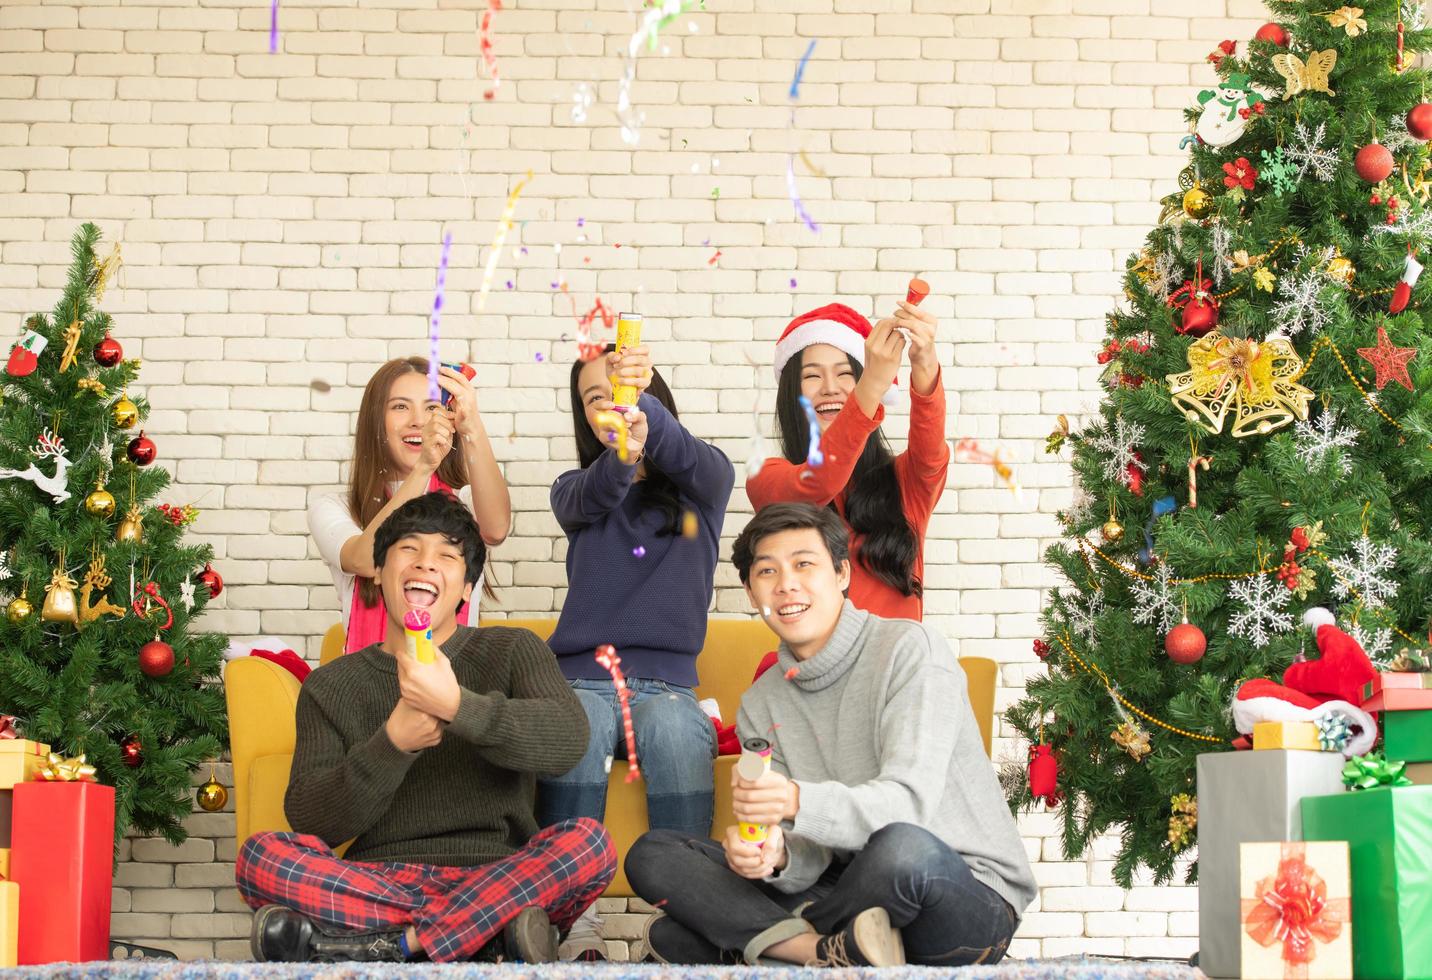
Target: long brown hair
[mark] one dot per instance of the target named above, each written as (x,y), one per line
(373,466)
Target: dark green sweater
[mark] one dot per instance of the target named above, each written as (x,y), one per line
(469,799)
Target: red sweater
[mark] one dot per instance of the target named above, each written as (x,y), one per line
(920,471)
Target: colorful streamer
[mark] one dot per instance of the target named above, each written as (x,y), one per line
(800,70)
(656,16)
(800,208)
(484,41)
(273,28)
(503,227)
(814,457)
(969,451)
(434,391)
(608,659)
(791,188)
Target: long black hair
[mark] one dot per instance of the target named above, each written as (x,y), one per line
(872,499)
(657,489)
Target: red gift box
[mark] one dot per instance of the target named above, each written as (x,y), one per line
(1398,699)
(62,857)
(1401,680)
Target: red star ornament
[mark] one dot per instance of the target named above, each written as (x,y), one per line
(1390,362)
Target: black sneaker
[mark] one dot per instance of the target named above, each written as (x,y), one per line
(531,937)
(281,935)
(869,940)
(666,941)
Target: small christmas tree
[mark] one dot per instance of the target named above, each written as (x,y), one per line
(97,649)
(1266,442)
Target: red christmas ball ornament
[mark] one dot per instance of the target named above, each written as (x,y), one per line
(1199,317)
(1373,163)
(210,580)
(1185,644)
(1043,774)
(156,658)
(108,353)
(1419,121)
(131,751)
(142,449)
(1273,34)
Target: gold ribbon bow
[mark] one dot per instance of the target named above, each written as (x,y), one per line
(60,769)
(1253,380)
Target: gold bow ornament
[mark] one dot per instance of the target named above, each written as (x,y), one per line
(60,769)
(1255,380)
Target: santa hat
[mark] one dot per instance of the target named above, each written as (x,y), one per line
(1314,690)
(835,324)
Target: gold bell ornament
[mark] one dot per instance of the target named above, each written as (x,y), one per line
(100,501)
(126,413)
(60,605)
(212,795)
(132,527)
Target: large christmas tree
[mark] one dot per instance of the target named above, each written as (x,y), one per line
(1265,445)
(97,651)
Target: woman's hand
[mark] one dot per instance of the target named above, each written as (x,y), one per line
(883,349)
(918,326)
(437,439)
(630,366)
(635,425)
(463,403)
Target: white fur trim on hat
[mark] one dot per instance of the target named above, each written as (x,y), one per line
(1317,616)
(836,334)
(1248,712)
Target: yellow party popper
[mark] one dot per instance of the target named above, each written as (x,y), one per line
(418,627)
(628,335)
(755,762)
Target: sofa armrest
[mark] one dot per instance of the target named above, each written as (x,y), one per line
(262,699)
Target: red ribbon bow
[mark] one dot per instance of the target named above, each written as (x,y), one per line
(153,591)
(1191,290)
(1292,907)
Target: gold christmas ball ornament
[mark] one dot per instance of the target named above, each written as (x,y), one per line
(1197,202)
(212,795)
(1341,270)
(19,610)
(132,527)
(100,501)
(126,413)
(1113,531)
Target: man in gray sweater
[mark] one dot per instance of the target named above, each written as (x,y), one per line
(887,835)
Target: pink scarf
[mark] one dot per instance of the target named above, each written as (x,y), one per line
(369,624)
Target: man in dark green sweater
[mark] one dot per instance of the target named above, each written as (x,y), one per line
(429,769)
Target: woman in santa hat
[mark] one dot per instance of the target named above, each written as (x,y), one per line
(846,369)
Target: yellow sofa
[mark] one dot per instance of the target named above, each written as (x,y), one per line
(262,697)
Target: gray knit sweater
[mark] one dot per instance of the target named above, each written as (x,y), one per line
(877,729)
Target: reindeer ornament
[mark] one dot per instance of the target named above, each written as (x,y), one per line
(49,446)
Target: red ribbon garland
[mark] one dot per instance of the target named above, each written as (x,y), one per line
(607,657)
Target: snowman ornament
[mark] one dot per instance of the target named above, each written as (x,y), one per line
(1220,122)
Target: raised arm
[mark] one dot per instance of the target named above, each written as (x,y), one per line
(698,468)
(580,497)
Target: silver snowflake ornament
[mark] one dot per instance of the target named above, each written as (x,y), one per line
(1316,438)
(1262,617)
(1119,443)
(1157,601)
(1301,307)
(1360,575)
(1221,242)
(186,594)
(1376,643)
(1081,611)
(1308,155)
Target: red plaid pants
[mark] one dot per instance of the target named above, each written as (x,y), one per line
(454,911)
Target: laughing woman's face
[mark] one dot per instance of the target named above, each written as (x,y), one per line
(827,379)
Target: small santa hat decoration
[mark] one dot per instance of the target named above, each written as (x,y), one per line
(1315,689)
(835,324)
(1402,292)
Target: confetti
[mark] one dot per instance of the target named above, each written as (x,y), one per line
(969,451)
(712,260)
(791,674)
(503,227)
(814,456)
(581,101)
(638,552)
(509,284)
(581,222)
(689,525)
(489,57)
(321,386)
(715,193)
(273,28)
(607,656)
(656,16)
(539,358)
(793,284)
(434,391)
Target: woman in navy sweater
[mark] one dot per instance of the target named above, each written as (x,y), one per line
(642,539)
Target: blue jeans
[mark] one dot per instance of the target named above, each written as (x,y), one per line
(713,915)
(675,747)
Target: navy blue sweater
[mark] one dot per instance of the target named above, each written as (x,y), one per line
(651,608)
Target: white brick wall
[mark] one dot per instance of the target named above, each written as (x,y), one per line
(281,218)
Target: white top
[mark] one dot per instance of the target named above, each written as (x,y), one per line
(332,525)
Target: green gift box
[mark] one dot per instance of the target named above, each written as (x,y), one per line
(1407,735)
(1389,835)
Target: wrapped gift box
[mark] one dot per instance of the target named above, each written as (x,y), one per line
(9,923)
(1396,681)
(1285,735)
(1247,796)
(1295,910)
(62,855)
(1407,735)
(1419,772)
(1399,699)
(20,759)
(1389,835)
